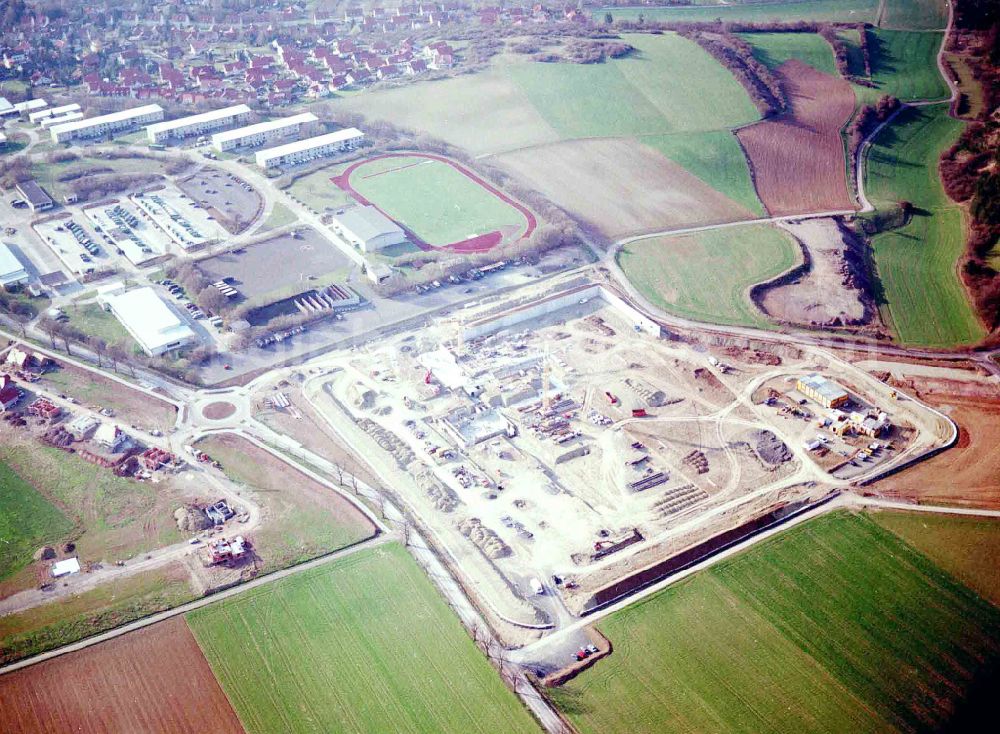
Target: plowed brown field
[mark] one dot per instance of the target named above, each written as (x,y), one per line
(798,159)
(620,187)
(153,680)
(968,473)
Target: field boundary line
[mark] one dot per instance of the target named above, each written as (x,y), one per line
(198,603)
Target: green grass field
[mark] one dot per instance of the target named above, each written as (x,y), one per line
(917,264)
(706,276)
(966,547)
(915,14)
(317,192)
(853,11)
(94,321)
(835,625)
(716,158)
(855,59)
(362,644)
(27,521)
(904,64)
(640,95)
(774,49)
(439,203)
(281,216)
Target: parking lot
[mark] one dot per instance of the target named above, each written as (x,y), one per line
(122,227)
(232,201)
(185,221)
(279,267)
(80,250)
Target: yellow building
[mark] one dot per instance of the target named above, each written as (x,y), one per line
(825,392)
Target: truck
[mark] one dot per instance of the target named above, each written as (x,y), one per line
(536,587)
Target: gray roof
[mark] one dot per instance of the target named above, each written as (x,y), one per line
(366,222)
(34,193)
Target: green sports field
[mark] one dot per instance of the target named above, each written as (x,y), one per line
(364,644)
(917,264)
(27,521)
(439,203)
(774,49)
(706,276)
(966,547)
(716,158)
(836,625)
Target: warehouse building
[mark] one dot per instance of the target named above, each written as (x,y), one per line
(32,193)
(825,392)
(39,115)
(367,228)
(310,149)
(12,272)
(261,133)
(186,127)
(97,127)
(150,321)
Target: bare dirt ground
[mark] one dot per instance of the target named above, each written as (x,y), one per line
(827,294)
(619,187)
(969,473)
(218,410)
(90,389)
(155,679)
(797,159)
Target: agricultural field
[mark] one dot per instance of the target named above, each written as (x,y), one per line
(966,547)
(80,615)
(925,300)
(774,49)
(798,158)
(109,517)
(362,644)
(621,188)
(915,14)
(847,11)
(707,276)
(305,519)
(716,158)
(27,521)
(407,188)
(155,679)
(638,95)
(904,64)
(835,625)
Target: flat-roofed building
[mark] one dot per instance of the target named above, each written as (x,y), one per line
(261,133)
(12,271)
(825,392)
(186,127)
(29,105)
(40,115)
(310,149)
(6,108)
(37,199)
(96,127)
(50,122)
(150,320)
(367,228)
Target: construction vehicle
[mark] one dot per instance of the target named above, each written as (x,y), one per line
(639,413)
(611,398)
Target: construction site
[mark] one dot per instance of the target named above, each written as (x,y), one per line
(561,445)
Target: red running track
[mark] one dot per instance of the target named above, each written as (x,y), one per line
(481,243)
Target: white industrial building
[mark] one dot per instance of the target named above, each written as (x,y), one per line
(150,320)
(30,104)
(50,122)
(12,272)
(6,108)
(310,149)
(367,228)
(186,127)
(42,114)
(96,127)
(261,133)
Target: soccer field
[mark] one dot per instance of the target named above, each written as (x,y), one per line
(364,644)
(436,200)
(836,625)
